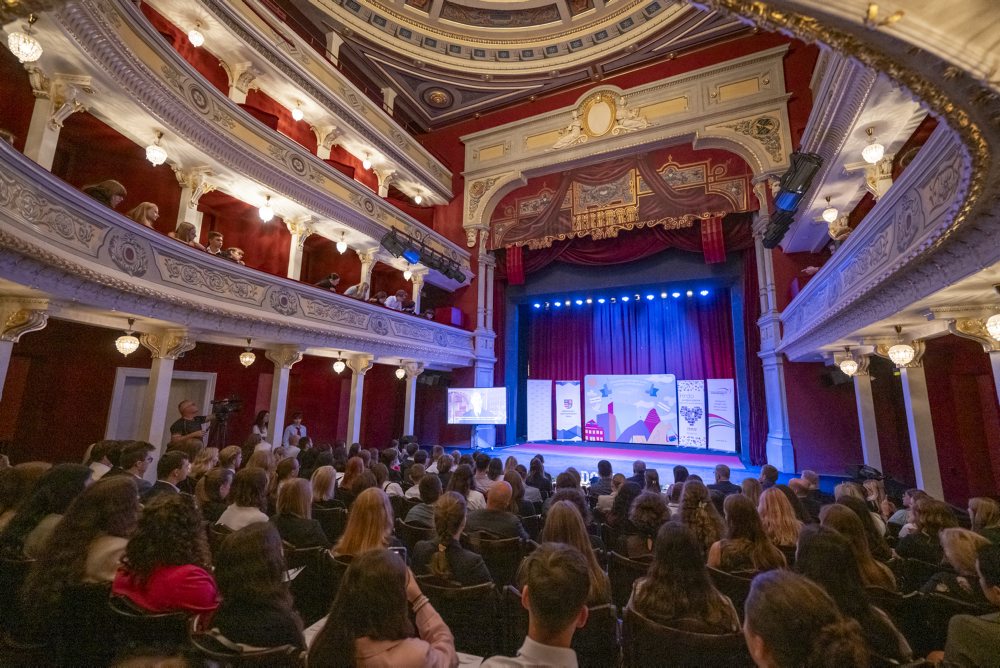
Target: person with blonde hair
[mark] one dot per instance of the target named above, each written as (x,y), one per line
(231,457)
(324,488)
(263,460)
(444,557)
(752,490)
(563,524)
(960,548)
(293,519)
(369,525)
(510,464)
(206,460)
(845,521)
(984,514)
(779,520)
(187,234)
(698,513)
(145,213)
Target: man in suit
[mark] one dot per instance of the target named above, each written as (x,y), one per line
(722,483)
(171,470)
(495,518)
(638,473)
(422,514)
(477,412)
(134,460)
(601,483)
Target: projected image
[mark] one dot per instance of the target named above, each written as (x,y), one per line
(477,405)
(631,409)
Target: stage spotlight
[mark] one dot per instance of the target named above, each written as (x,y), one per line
(663,295)
(613,300)
(601,300)
(538,306)
(590,301)
(411,255)
(704,293)
(579,302)
(650,297)
(690,294)
(557,303)
(676,295)
(624,299)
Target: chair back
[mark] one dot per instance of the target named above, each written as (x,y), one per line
(466,611)
(915,573)
(83,623)
(623,572)
(13,573)
(411,534)
(646,643)
(135,627)
(903,610)
(216,534)
(332,520)
(934,613)
(399,506)
(597,644)
(502,556)
(533,525)
(734,585)
(214,648)
(515,621)
(309,588)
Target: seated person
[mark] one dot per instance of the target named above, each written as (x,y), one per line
(422,514)
(930,516)
(212,491)
(329,283)
(215,240)
(648,513)
(358,291)
(395,302)
(414,472)
(167,564)
(495,519)
(379,298)
(975,641)
(110,193)
(146,213)
(555,595)
(960,549)
(186,234)
(233,254)
(294,520)
(444,557)
(369,525)
(248,499)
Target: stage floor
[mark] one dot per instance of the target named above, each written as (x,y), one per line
(560,455)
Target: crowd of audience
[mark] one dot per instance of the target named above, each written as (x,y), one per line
(814,558)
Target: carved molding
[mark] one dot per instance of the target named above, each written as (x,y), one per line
(22,317)
(975,329)
(170,345)
(196,180)
(360,364)
(413,369)
(284,357)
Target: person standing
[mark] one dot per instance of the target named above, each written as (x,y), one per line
(190,424)
(296,429)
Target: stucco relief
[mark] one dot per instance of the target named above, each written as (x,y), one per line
(55,221)
(211,281)
(337,313)
(284,301)
(128,254)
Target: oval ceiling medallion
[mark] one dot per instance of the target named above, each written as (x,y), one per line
(437,98)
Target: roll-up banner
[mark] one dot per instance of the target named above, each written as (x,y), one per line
(722,414)
(568,411)
(691,410)
(539,397)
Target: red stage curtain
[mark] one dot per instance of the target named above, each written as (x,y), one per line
(713,244)
(757,448)
(691,337)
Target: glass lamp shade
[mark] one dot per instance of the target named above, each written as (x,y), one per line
(127,344)
(993,326)
(196,38)
(849,367)
(902,354)
(339,366)
(297,114)
(341,246)
(266,213)
(25,47)
(873,152)
(418,200)
(400,373)
(247,357)
(366,163)
(407,275)
(156,155)
(830,214)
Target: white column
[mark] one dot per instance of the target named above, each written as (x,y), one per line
(779,440)
(413,369)
(417,281)
(359,365)
(995,363)
(386,175)
(55,101)
(241,80)
(481,281)
(388,98)
(18,318)
(300,228)
(333,44)
(923,446)
(194,183)
(367,257)
(283,358)
(40,143)
(491,264)
(327,136)
(164,348)
(866,415)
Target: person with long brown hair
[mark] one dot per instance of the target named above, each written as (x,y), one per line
(37,516)
(16,484)
(844,520)
(369,525)
(380,633)
(256,606)
(86,546)
(746,546)
(187,234)
(146,214)
(792,623)
(984,515)
(463,481)
(352,473)
(698,513)
(294,516)
(167,566)
(563,524)
(518,505)
(444,557)
(247,499)
(212,492)
(930,516)
(648,513)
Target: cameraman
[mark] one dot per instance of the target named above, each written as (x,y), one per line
(190,424)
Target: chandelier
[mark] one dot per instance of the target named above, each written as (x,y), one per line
(247,357)
(342,244)
(339,365)
(830,213)
(195,36)
(874,151)
(265,212)
(993,326)
(400,372)
(901,354)
(23,45)
(127,343)
(155,153)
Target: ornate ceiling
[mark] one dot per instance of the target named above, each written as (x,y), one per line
(450,59)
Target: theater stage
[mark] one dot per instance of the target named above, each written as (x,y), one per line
(584,456)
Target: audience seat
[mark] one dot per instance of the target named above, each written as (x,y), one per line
(216,534)
(470,613)
(934,611)
(332,520)
(134,627)
(533,525)
(84,624)
(13,573)
(623,572)
(648,644)
(598,644)
(914,574)
(222,653)
(734,585)
(502,556)
(515,621)
(411,534)
(399,506)
(310,586)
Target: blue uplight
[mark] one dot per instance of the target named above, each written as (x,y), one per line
(704,293)
(675,295)
(624,299)
(538,306)
(601,300)
(579,302)
(650,297)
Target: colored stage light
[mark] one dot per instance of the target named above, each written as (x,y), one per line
(557,303)
(538,306)
(663,295)
(624,299)
(650,297)
(590,301)
(676,295)
(690,294)
(704,293)
(601,300)
(579,302)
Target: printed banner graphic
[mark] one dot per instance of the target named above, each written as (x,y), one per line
(539,397)
(632,409)
(568,410)
(722,414)
(691,409)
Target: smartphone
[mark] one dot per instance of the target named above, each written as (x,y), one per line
(401,551)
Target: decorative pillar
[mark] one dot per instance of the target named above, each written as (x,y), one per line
(386,175)
(284,358)
(18,317)
(866,414)
(359,365)
(55,101)
(327,136)
(413,369)
(333,44)
(417,281)
(975,329)
(388,98)
(242,77)
(301,229)
(878,177)
(194,183)
(367,257)
(165,348)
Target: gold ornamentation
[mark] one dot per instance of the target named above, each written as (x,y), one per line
(21,322)
(284,357)
(597,113)
(169,345)
(975,329)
